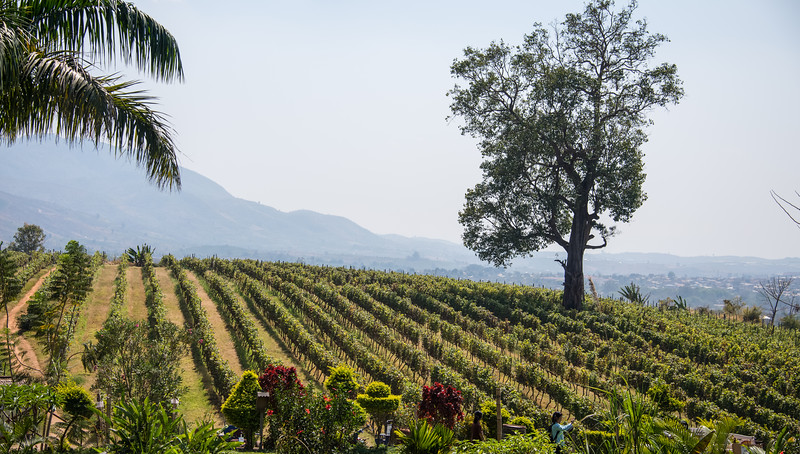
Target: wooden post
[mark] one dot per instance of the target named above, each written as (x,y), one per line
(499,415)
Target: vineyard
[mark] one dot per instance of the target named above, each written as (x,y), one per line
(413,330)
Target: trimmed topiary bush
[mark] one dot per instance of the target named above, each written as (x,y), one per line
(239,408)
(342,381)
(379,402)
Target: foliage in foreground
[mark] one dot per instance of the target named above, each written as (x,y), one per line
(147,428)
(49,55)
(533,443)
(424,438)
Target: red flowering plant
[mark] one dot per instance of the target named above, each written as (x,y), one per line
(318,423)
(441,404)
(285,391)
(307,421)
(278,380)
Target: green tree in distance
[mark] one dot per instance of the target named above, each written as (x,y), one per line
(69,285)
(10,287)
(28,239)
(49,52)
(561,123)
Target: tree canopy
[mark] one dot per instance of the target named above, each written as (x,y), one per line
(49,82)
(561,122)
(29,238)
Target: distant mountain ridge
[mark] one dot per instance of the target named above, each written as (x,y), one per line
(107,204)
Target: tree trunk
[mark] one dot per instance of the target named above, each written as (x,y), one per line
(573,271)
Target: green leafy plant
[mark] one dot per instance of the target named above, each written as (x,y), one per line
(10,286)
(489,410)
(138,256)
(633,293)
(202,439)
(780,443)
(133,365)
(425,439)
(142,428)
(240,407)
(523,421)
(379,402)
(752,314)
(24,411)
(342,380)
(534,442)
(79,405)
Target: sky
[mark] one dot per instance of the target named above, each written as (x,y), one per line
(340,107)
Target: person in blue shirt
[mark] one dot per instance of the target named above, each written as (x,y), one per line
(557,431)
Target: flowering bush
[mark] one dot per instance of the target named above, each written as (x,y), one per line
(342,380)
(315,423)
(285,392)
(441,404)
(280,380)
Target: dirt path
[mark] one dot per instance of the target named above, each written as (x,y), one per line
(22,348)
(225,344)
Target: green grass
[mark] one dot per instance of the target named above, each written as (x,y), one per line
(196,404)
(93,314)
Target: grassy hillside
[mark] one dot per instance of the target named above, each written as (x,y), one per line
(412,330)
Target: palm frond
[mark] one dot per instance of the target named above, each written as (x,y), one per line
(106,29)
(59,95)
(13,41)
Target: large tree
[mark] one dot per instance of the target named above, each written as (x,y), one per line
(50,52)
(561,123)
(28,239)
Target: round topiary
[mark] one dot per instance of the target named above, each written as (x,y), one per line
(378,389)
(74,400)
(342,381)
(524,421)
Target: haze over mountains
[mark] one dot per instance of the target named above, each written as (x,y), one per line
(107,204)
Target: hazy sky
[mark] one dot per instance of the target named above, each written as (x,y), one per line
(340,107)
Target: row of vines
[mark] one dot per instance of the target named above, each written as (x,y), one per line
(409,330)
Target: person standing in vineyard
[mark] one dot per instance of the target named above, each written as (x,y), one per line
(476,429)
(557,431)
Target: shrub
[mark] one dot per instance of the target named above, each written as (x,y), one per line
(280,380)
(489,410)
(78,403)
(536,443)
(425,439)
(142,428)
(441,404)
(379,402)
(752,314)
(315,423)
(342,380)
(523,421)
(378,389)
(791,322)
(239,408)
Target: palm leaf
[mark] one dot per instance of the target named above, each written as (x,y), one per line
(58,95)
(703,443)
(106,29)
(47,51)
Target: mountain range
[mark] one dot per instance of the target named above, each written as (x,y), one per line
(106,204)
